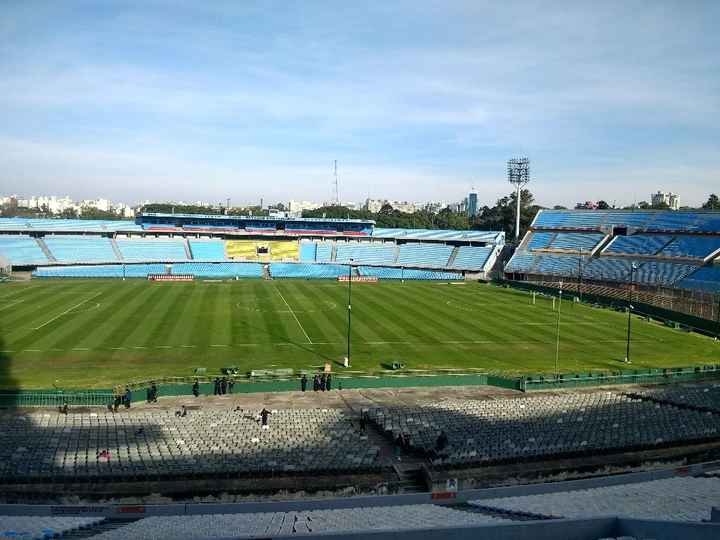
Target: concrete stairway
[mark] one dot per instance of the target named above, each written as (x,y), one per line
(116,249)
(45,250)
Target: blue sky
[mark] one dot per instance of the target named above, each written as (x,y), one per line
(416,100)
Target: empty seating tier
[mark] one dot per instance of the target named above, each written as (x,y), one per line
(21,250)
(159,443)
(324,251)
(284,250)
(509,430)
(219,270)
(146,250)
(82,249)
(32,527)
(207,250)
(308,251)
(366,253)
(100,271)
(691,246)
(661,221)
(273,524)
(307,271)
(424,255)
(677,499)
(638,244)
(241,249)
(407,273)
(706,278)
(472,258)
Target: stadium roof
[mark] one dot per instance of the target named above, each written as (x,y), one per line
(643,220)
(253,218)
(496,237)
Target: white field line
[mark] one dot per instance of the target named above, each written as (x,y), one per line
(295,316)
(67,311)
(11,304)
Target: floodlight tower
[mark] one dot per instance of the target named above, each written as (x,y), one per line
(518,170)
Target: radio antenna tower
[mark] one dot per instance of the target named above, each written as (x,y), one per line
(518,170)
(337,188)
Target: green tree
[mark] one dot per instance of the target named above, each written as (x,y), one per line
(713,203)
(602,205)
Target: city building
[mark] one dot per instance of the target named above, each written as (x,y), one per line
(672,200)
(472,203)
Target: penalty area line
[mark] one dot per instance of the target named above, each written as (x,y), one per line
(56,317)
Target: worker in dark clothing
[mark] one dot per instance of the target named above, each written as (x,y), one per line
(328,382)
(363,422)
(303,382)
(223,386)
(64,408)
(216,389)
(154,390)
(128,397)
(264,418)
(441,442)
(196,388)
(322,382)
(316,383)
(116,403)
(231,385)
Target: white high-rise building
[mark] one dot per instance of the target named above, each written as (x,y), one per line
(671,199)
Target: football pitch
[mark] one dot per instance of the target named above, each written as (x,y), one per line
(97,333)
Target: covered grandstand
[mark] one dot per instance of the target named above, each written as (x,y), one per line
(673,256)
(58,248)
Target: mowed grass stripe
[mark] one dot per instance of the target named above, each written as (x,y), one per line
(179,332)
(330,310)
(20,330)
(81,329)
(266,325)
(171,307)
(310,312)
(391,321)
(131,317)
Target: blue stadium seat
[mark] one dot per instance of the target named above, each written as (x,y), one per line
(576,241)
(365,253)
(540,240)
(80,249)
(308,251)
(407,273)
(100,271)
(207,250)
(706,278)
(472,257)
(226,270)
(638,244)
(428,255)
(21,250)
(307,271)
(152,250)
(691,246)
(324,251)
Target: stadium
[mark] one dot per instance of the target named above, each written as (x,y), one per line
(203,376)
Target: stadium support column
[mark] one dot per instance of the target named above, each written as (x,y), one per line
(633,269)
(349,308)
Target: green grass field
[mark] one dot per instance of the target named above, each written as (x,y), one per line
(99,333)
